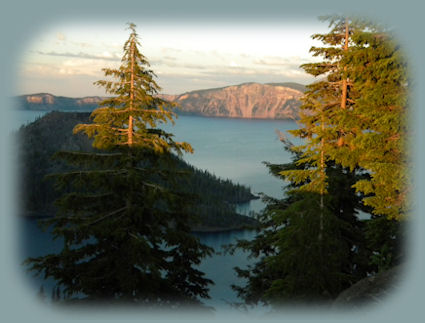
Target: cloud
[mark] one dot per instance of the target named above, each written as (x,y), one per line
(60,37)
(265,74)
(71,66)
(218,67)
(178,71)
(105,55)
(226,74)
(82,44)
(278,61)
(196,63)
(42,70)
(287,62)
(171,58)
(169,50)
(174,63)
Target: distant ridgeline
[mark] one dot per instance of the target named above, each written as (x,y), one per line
(248,100)
(39,140)
(49,102)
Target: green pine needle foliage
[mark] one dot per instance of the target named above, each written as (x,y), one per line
(365,129)
(311,244)
(298,260)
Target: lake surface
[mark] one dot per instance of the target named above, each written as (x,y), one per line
(229,148)
(23,117)
(236,148)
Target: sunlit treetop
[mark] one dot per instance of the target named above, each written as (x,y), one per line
(132,115)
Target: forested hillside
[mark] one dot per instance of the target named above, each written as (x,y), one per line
(39,140)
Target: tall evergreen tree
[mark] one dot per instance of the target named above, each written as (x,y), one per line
(312,244)
(293,263)
(126,237)
(357,111)
(321,107)
(322,104)
(378,72)
(355,117)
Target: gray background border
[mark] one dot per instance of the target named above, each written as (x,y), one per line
(22,19)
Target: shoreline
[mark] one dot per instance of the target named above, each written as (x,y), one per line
(222,230)
(37,216)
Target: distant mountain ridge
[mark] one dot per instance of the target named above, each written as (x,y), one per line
(49,102)
(247,100)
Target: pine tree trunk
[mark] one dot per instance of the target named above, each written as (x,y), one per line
(322,174)
(322,205)
(130,125)
(345,80)
(130,117)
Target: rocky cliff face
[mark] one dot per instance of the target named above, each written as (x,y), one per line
(370,290)
(251,100)
(40,99)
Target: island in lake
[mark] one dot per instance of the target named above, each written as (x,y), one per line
(39,140)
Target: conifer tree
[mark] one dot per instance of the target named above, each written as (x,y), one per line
(126,237)
(356,114)
(292,264)
(320,112)
(378,72)
(322,105)
(312,245)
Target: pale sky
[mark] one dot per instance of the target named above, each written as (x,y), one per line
(66,59)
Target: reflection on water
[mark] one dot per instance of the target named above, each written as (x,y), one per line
(250,208)
(220,267)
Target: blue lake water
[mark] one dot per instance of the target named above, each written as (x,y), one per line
(229,148)
(236,148)
(23,117)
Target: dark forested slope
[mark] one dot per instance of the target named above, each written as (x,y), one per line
(39,140)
